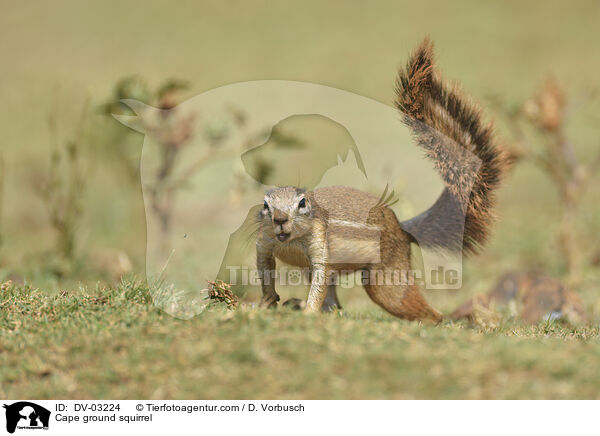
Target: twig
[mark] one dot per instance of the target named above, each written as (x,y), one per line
(546,113)
(64,188)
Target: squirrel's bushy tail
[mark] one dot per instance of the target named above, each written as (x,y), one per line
(449,127)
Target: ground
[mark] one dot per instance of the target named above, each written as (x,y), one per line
(114,343)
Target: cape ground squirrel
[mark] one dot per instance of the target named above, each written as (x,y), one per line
(338,229)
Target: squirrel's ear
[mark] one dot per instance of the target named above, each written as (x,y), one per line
(143,113)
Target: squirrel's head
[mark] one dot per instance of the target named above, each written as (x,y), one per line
(288,211)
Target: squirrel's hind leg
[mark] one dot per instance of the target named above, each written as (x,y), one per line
(401,300)
(388,282)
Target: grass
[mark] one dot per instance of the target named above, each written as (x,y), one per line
(113,343)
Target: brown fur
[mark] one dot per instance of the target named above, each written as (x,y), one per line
(338,229)
(449,127)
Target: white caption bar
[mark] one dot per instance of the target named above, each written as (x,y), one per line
(65,417)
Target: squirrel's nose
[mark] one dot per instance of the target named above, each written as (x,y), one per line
(280,221)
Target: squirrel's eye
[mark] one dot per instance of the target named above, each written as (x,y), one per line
(302,203)
(265,206)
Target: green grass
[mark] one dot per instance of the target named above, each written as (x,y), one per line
(113,343)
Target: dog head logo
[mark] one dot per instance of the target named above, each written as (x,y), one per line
(26,415)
